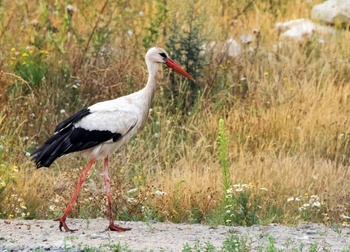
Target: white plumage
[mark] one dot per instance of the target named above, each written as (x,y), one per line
(102,128)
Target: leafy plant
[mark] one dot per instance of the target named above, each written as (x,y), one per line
(186,43)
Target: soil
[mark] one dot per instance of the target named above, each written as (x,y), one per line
(44,235)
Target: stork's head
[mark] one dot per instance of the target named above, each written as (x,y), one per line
(159,55)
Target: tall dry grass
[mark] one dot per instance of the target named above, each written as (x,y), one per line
(287,120)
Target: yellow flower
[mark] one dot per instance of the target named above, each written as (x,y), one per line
(25,55)
(13,49)
(266,73)
(44,51)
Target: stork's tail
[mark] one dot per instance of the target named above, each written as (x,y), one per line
(53,148)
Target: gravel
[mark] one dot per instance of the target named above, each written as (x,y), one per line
(44,235)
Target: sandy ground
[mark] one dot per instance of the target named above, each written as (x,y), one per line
(29,235)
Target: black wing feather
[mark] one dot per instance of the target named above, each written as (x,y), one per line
(68,139)
(73,119)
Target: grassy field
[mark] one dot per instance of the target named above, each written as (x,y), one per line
(262,137)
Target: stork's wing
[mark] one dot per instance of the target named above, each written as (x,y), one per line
(87,128)
(72,119)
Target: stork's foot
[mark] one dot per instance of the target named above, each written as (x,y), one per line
(117,228)
(64,225)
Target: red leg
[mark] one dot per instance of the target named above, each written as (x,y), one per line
(82,178)
(112,226)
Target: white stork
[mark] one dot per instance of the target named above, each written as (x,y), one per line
(102,129)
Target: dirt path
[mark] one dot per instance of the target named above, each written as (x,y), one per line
(26,235)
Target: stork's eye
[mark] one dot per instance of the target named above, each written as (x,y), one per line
(163,55)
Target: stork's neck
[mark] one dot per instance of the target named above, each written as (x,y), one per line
(151,86)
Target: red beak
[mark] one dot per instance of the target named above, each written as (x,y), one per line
(172,64)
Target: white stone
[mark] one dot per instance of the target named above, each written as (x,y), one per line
(332,11)
(301,29)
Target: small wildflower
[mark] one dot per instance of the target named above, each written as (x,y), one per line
(133,190)
(160,193)
(229,190)
(25,55)
(62,111)
(345,224)
(141,13)
(130,32)
(343,216)
(316,204)
(290,199)
(264,189)
(34,22)
(13,49)
(27,154)
(266,74)
(71,8)
(156,135)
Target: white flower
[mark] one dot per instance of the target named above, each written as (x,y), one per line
(229,190)
(156,135)
(290,199)
(316,204)
(132,190)
(130,32)
(62,111)
(141,13)
(158,192)
(71,8)
(344,216)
